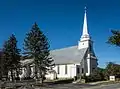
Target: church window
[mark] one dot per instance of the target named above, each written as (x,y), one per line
(58,69)
(65,69)
(82,70)
(78,70)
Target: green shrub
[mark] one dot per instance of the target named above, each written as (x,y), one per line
(97,75)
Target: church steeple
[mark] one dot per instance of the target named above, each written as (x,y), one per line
(85,40)
(89,60)
(85,34)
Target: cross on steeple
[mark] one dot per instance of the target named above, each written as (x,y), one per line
(85,9)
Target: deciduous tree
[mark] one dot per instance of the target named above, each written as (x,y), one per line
(115,38)
(112,69)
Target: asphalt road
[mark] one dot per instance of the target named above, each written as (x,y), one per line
(81,86)
(71,86)
(109,86)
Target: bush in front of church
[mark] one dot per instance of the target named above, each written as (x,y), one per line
(97,75)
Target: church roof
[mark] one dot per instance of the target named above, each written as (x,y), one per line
(68,55)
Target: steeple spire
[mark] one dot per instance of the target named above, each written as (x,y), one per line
(85,29)
(85,40)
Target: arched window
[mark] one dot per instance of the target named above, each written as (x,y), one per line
(82,70)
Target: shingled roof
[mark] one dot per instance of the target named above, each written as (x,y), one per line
(68,55)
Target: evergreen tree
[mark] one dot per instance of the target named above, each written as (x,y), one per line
(36,46)
(11,57)
(3,65)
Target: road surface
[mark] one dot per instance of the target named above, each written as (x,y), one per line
(81,86)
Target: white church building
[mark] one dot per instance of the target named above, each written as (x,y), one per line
(75,60)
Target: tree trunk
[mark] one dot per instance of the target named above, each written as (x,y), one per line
(12,75)
(41,81)
(17,74)
(40,76)
(36,77)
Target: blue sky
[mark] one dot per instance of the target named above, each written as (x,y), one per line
(61,21)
